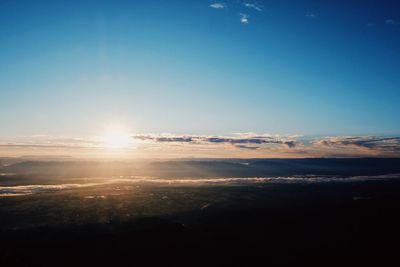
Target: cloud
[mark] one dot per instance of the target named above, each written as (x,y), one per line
(238,141)
(254,140)
(165,139)
(311,15)
(247,147)
(218,5)
(14,191)
(235,145)
(43,141)
(254,6)
(380,144)
(391,22)
(10,191)
(16,145)
(290,144)
(244,18)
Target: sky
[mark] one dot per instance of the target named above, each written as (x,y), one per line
(287,70)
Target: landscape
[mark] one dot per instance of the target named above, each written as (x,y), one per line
(199,133)
(276,211)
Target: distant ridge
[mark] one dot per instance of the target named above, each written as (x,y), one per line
(208,168)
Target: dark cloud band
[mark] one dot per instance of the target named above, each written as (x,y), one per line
(238,142)
(387,144)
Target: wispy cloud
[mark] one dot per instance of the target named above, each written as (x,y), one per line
(311,15)
(238,141)
(379,144)
(244,18)
(247,147)
(10,191)
(234,145)
(392,22)
(166,139)
(218,5)
(254,6)
(44,141)
(23,190)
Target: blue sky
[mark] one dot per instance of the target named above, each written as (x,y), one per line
(279,67)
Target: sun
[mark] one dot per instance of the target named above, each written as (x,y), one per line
(117,138)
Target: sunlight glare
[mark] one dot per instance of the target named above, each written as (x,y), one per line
(117,138)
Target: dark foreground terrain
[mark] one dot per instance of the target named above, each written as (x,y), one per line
(337,222)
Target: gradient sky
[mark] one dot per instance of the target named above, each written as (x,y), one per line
(200,67)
